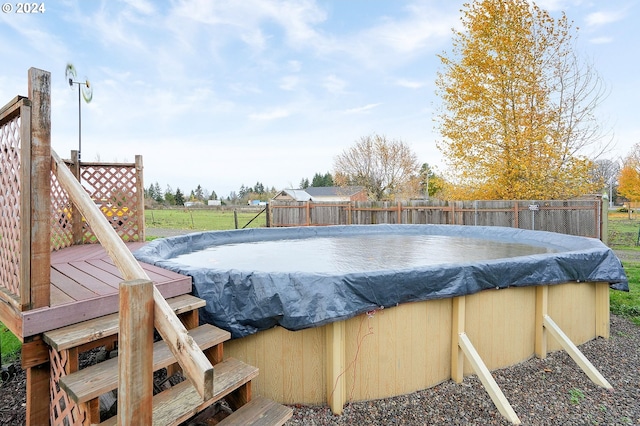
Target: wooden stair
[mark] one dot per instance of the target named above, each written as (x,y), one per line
(179,403)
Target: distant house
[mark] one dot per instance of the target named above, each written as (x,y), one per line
(337,193)
(292,195)
(324,193)
(193,204)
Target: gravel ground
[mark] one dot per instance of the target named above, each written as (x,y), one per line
(553,391)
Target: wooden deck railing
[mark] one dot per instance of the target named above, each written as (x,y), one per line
(194,363)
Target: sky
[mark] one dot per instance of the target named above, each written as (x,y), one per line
(229,93)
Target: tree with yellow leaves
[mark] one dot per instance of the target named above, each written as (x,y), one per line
(517,105)
(629,178)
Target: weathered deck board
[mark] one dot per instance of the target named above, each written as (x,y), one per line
(80,274)
(84,285)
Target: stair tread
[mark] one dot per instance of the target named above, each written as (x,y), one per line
(91,382)
(259,412)
(182,401)
(75,335)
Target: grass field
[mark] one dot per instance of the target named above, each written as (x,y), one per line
(203,219)
(623,232)
(9,344)
(623,235)
(628,304)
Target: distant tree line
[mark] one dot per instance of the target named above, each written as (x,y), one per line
(318,180)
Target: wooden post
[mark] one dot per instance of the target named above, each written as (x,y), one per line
(602,310)
(37,218)
(76,217)
(604,220)
(515,217)
(540,344)
(235,218)
(135,343)
(457,328)
(268,215)
(308,212)
(37,395)
(399,213)
(336,383)
(39,89)
(140,198)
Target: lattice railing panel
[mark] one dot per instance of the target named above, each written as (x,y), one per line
(63,410)
(61,221)
(113,188)
(10,238)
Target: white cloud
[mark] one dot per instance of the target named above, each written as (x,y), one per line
(601,40)
(597,19)
(273,114)
(289,82)
(295,66)
(334,84)
(410,84)
(143,6)
(365,108)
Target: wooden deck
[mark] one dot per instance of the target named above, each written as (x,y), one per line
(84,285)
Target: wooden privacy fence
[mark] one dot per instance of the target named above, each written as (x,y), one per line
(581,217)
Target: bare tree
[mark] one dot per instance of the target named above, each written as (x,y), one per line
(605,175)
(388,169)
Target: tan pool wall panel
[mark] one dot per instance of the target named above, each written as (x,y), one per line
(573,307)
(501,326)
(402,349)
(291,363)
(398,350)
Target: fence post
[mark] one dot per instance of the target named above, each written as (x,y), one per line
(76,216)
(604,219)
(135,346)
(140,199)
(516,213)
(399,216)
(268,215)
(308,211)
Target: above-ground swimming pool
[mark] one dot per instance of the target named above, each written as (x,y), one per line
(297,278)
(309,305)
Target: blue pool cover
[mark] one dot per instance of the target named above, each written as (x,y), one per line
(258,295)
